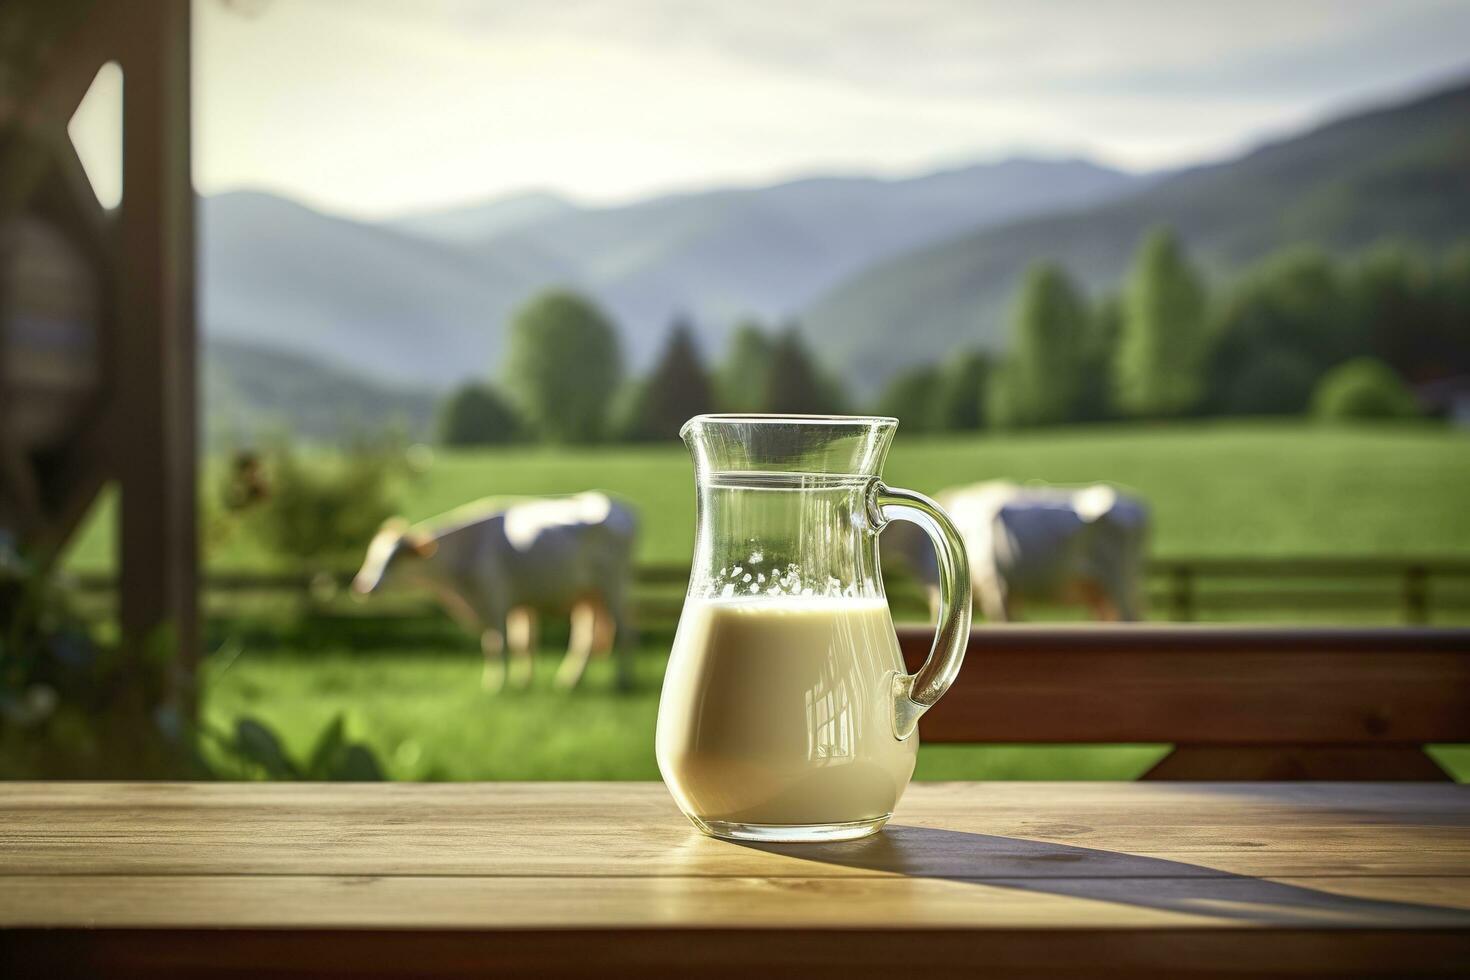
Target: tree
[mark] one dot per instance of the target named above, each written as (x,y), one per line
(1044,381)
(1363,388)
(743,379)
(563,366)
(794,384)
(676,390)
(911,396)
(1452,293)
(1393,309)
(1098,352)
(1279,381)
(959,401)
(477,415)
(1000,406)
(1282,325)
(1160,353)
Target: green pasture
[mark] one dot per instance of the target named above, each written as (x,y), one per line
(410,687)
(1216,489)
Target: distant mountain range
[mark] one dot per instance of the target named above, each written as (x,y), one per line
(252,391)
(1399,172)
(425,299)
(422,302)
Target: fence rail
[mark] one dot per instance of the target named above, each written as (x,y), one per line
(1182,588)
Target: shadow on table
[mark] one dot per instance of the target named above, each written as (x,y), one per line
(1112,876)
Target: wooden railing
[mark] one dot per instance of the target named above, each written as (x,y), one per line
(1179,589)
(1236,702)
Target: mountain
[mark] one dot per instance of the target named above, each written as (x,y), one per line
(424,299)
(249,391)
(1402,171)
(769,251)
(358,296)
(466,225)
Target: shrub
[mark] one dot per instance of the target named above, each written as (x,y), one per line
(476,415)
(1363,388)
(1278,382)
(325,509)
(910,396)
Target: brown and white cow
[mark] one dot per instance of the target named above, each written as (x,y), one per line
(496,568)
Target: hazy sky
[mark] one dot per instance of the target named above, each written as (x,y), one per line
(373,107)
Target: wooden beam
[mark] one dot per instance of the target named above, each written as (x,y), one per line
(154,447)
(1237,763)
(1202,685)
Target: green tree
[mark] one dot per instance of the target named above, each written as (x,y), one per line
(1098,352)
(959,401)
(1363,388)
(1044,381)
(563,366)
(1414,312)
(676,390)
(742,381)
(324,509)
(1280,381)
(477,415)
(794,383)
(1452,291)
(1280,327)
(911,396)
(1161,350)
(1000,403)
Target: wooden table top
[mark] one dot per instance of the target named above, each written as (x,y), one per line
(583,878)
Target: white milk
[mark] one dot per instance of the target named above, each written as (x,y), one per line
(780,711)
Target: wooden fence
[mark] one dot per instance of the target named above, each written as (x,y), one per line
(1411,590)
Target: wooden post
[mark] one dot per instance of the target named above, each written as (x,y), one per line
(154,445)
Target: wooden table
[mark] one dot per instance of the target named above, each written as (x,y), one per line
(606,879)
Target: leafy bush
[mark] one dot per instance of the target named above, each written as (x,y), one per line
(324,509)
(256,751)
(71,707)
(477,415)
(1277,382)
(1363,388)
(911,397)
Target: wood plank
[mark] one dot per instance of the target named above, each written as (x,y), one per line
(461,902)
(606,879)
(632,829)
(1395,763)
(737,953)
(1204,685)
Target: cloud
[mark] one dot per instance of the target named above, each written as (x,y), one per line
(377,105)
(977,48)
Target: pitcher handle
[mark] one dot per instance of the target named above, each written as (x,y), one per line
(915,694)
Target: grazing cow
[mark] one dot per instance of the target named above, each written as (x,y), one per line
(495,569)
(1052,544)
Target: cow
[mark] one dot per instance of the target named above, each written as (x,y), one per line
(496,568)
(1085,545)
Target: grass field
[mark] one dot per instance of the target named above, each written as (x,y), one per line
(1215,489)
(413,694)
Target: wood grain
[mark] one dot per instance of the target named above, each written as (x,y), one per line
(1204,685)
(450,879)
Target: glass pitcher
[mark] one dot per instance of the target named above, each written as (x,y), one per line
(787,713)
